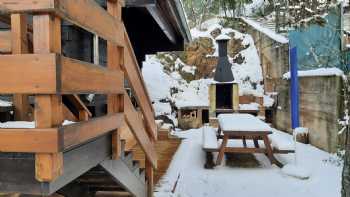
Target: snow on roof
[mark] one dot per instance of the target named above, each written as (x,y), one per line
(242,122)
(317,72)
(223,37)
(273,35)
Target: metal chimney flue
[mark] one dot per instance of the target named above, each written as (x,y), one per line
(223,71)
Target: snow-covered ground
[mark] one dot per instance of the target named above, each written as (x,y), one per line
(194,181)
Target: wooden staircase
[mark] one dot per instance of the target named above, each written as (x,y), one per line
(92,156)
(166,147)
(101,180)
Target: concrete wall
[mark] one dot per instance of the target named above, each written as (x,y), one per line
(320,97)
(321,106)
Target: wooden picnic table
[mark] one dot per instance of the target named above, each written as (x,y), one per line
(245,127)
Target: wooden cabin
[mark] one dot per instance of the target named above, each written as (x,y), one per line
(55,52)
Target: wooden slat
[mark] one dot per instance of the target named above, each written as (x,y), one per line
(38,75)
(19,44)
(83,78)
(78,104)
(134,76)
(78,12)
(16,6)
(135,123)
(30,140)
(5,42)
(78,133)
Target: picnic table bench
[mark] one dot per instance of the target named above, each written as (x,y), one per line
(239,127)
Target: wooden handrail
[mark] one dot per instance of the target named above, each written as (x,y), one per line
(134,76)
(135,123)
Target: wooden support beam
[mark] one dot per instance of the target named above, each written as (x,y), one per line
(46,140)
(48,113)
(5,42)
(136,124)
(115,58)
(19,45)
(134,76)
(79,105)
(17,172)
(75,12)
(48,108)
(82,132)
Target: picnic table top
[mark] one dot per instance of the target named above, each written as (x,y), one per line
(242,122)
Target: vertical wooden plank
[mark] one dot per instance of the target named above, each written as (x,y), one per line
(150,178)
(235,97)
(48,108)
(115,59)
(19,43)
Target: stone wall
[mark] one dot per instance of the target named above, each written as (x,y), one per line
(320,97)
(274,57)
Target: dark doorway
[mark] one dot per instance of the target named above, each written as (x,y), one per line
(205,116)
(224,96)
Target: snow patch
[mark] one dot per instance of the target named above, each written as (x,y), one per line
(317,72)
(296,171)
(273,35)
(5,103)
(24,124)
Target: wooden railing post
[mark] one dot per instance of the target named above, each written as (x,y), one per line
(115,60)
(150,178)
(48,108)
(20,46)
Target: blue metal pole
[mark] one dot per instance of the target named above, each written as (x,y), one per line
(294,88)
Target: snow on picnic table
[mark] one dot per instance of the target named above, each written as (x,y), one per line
(266,180)
(242,122)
